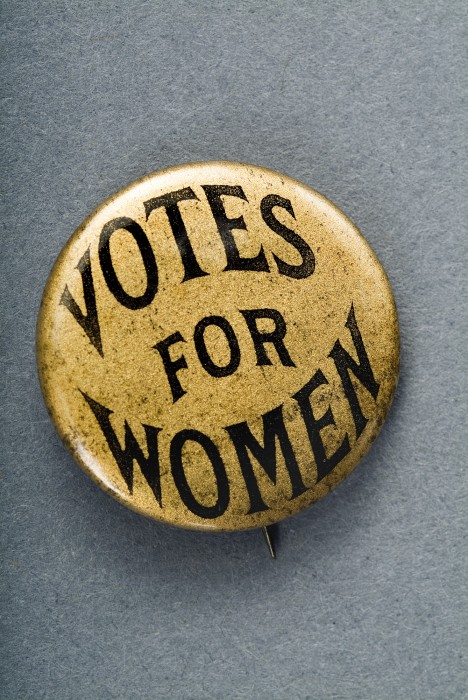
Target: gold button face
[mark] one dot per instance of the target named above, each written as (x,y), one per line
(218,346)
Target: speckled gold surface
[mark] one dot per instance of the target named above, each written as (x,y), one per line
(126,374)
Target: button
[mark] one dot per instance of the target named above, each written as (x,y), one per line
(218,346)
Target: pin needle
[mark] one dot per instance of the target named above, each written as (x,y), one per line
(269,540)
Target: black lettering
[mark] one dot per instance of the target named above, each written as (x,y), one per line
(203,355)
(261,337)
(147,256)
(131,451)
(226,225)
(89,322)
(180,479)
(307,267)
(172,366)
(170,202)
(362,371)
(314,425)
(243,440)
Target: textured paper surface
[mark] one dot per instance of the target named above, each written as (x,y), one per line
(365,102)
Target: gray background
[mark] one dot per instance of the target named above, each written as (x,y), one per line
(365,102)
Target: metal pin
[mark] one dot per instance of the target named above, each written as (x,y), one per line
(267,533)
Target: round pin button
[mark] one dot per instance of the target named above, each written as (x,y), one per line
(218,346)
